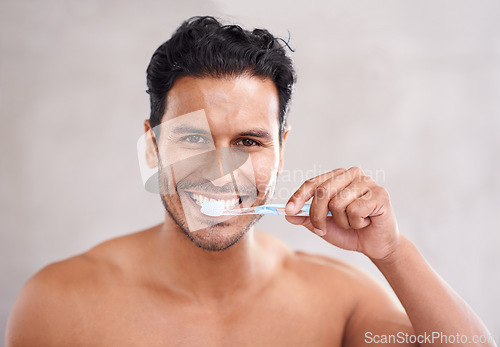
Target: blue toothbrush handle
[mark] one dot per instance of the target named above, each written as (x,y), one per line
(279,209)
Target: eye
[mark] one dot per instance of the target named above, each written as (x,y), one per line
(248,143)
(195,139)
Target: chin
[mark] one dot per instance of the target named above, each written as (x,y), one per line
(217,237)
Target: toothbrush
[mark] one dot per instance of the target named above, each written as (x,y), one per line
(216,209)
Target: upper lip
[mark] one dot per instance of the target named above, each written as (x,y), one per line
(217,196)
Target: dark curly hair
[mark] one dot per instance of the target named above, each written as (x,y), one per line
(203,47)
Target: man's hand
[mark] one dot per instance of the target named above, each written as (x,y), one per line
(363,220)
(362,217)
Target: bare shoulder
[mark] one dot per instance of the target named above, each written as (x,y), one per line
(338,282)
(322,271)
(329,271)
(43,309)
(367,305)
(46,309)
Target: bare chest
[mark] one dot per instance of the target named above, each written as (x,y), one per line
(289,320)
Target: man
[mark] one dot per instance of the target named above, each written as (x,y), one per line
(217,131)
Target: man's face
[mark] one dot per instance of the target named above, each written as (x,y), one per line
(221,142)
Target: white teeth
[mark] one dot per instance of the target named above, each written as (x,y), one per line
(227,204)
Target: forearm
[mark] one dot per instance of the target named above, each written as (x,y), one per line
(431,305)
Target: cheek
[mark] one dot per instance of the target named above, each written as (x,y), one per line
(265,170)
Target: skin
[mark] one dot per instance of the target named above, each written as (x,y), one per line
(159,287)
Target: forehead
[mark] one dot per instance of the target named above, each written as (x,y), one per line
(231,103)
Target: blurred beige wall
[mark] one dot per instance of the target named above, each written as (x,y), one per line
(408,90)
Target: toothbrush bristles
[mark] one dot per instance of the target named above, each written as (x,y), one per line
(212,208)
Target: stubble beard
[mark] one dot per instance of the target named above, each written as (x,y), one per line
(209,238)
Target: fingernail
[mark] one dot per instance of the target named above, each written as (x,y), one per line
(290,206)
(319,232)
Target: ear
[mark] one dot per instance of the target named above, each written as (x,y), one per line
(151,147)
(282,148)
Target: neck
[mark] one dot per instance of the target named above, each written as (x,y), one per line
(211,275)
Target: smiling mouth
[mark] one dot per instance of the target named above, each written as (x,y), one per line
(228,204)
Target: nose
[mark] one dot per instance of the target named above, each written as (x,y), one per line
(224,165)
(223,177)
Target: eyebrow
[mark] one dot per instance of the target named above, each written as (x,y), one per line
(187,129)
(259,133)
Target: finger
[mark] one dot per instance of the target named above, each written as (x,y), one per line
(368,205)
(306,191)
(306,222)
(297,220)
(319,206)
(338,203)
(324,194)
